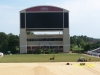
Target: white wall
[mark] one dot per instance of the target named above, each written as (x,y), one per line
(66,40)
(46,43)
(23,42)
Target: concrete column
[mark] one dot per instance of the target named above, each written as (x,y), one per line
(49,45)
(66,40)
(58,47)
(31,48)
(23,41)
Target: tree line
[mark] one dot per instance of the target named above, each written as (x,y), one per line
(9,42)
(84,43)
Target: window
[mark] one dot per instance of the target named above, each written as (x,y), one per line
(45,39)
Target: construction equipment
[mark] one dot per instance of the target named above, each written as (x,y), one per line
(82,59)
(52,58)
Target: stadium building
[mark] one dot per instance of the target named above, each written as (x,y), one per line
(44,18)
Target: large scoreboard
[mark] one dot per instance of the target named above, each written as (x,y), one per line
(44,20)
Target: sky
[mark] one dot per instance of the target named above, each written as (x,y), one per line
(84,15)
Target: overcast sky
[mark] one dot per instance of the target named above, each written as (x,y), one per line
(84,15)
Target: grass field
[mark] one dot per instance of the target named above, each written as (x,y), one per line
(63,57)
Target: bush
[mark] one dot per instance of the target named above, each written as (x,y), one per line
(38,51)
(41,50)
(49,51)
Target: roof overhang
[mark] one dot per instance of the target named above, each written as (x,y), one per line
(44,8)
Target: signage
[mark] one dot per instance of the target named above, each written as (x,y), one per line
(44,9)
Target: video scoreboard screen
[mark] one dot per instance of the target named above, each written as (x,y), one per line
(44,20)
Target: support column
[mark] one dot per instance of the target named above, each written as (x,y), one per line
(58,47)
(31,48)
(66,40)
(49,45)
(23,41)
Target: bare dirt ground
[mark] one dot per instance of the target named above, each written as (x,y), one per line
(50,68)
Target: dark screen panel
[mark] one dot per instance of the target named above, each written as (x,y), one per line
(22,20)
(66,20)
(44,20)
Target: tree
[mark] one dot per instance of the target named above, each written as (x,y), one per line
(73,40)
(29,33)
(13,41)
(82,43)
(3,42)
(88,47)
(72,46)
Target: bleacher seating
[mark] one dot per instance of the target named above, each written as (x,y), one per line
(95,52)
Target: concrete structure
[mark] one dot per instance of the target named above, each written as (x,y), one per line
(44,18)
(95,52)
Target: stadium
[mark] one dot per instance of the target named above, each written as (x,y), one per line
(43,19)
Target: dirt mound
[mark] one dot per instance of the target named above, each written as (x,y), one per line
(40,70)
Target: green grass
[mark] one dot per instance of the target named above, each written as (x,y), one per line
(62,57)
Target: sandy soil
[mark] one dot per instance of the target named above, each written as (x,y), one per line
(50,68)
